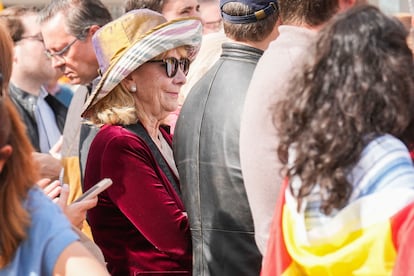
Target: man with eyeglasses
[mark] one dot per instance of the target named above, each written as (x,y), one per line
(206,145)
(43,115)
(67,27)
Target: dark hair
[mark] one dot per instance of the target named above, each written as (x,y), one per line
(80,15)
(155,5)
(359,86)
(257,31)
(311,12)
(12,19)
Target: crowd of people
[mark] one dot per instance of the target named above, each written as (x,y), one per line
(242,137)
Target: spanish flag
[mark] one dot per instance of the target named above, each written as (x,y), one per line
(373,235)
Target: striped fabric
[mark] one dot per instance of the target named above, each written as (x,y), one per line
(385,163)
(370,236)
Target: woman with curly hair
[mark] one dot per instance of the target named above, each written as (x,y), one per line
(343,142)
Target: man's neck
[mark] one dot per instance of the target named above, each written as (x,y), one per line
(304,25)
(262,45)
(28,85)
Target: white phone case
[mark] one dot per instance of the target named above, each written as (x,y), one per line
(95,189)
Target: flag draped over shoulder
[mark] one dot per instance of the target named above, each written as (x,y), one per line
(370,236)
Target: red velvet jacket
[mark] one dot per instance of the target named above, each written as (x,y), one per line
(139,222)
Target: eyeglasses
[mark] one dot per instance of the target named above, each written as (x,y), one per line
(37,37)
(60,54)
(171,65)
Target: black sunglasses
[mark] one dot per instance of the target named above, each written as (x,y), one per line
(171,65)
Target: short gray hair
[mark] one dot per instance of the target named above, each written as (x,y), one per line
(80,15)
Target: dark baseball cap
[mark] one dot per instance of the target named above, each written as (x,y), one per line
(262,9)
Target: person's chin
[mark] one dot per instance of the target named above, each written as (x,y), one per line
(172,107)
(73,79)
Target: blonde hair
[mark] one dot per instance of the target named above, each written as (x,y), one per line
(118,107)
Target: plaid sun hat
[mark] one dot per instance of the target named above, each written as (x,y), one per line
(138,36)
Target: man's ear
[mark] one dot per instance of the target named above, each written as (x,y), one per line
(93,29)
(5,153)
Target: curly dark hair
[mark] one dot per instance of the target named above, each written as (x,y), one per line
(358,86)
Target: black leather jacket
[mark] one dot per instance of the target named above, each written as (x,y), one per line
(206,149)
(26,103)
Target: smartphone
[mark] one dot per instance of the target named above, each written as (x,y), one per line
(95,189)
(61,175)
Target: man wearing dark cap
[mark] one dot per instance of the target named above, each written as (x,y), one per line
(258,134)
(206,145)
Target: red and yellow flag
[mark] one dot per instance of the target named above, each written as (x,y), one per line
(370,236)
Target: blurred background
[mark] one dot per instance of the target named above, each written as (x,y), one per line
(115,6)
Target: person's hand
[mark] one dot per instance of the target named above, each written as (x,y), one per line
(75,212)
(49,167)
(51,189)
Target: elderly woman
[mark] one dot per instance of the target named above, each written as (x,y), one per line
(140,222)
(348,204)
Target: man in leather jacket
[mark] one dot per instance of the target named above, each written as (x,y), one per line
(206,145)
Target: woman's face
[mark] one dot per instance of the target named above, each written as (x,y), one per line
(157,94)
(173,9)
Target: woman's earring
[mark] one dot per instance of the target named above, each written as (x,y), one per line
(133,88)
